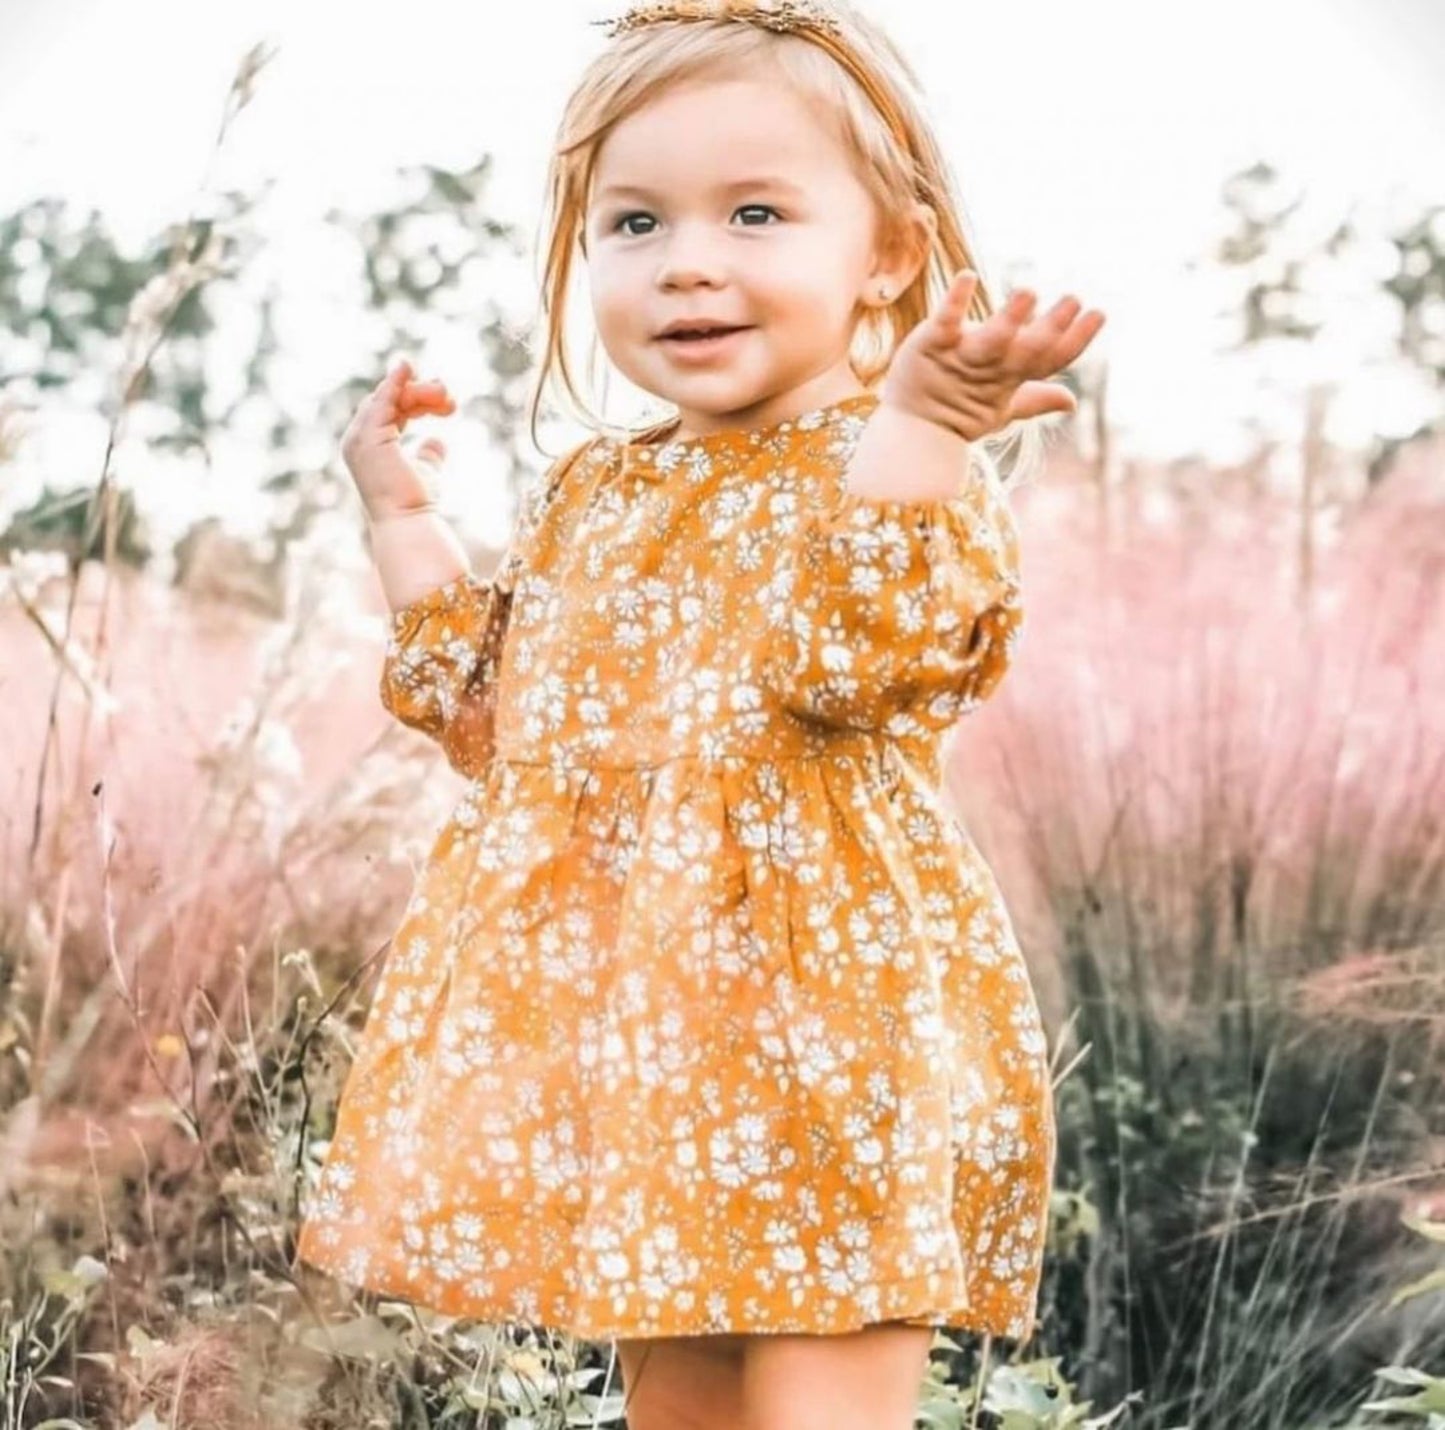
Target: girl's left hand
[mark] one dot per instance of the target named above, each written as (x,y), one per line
(975,378)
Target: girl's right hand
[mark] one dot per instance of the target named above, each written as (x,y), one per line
(389,481)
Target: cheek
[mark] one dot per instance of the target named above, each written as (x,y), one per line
(808,294)
(607,304)
(614,291)
(799,272)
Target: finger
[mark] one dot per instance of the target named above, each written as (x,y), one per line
(415,410)
(1039,346)
(994,338)
(1063,312)
(1043,346)
(394,409)
(959,297)
(433,452)
(378,412)
(1091,322)
(1038,399)
(429,396)
(381,403)
(397,376)
(1048,345)
(948,324)
(1077,337)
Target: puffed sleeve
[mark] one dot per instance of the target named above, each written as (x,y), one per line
(897,615)
(438,673)
(444,650)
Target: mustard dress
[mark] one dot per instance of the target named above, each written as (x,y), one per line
(704,1014)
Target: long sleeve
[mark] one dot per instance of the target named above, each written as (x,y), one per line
(897,615)
(444,650)
(439,671)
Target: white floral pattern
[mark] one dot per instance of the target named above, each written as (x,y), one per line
(704,1014)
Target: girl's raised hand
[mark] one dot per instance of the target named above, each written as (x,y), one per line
(388,480)
(976,378)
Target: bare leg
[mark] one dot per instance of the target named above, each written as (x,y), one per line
(862,1380)
(682,1382)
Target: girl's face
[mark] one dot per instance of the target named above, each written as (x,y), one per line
(728,202)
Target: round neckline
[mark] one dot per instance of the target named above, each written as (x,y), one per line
(813,418)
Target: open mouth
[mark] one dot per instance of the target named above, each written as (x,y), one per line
(701,336)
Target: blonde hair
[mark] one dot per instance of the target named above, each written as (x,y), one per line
(882,123)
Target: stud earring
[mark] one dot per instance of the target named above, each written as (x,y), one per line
(883,294)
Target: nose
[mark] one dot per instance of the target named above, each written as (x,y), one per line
(690,257)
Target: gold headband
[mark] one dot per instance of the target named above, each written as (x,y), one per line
(786,16)
(799,17)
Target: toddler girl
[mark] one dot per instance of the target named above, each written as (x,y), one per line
(705,1028)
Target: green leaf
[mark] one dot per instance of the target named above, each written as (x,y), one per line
(940,1415)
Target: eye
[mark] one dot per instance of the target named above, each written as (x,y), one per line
(621,224)
(626,219)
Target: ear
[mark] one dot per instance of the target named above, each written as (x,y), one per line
(903,256)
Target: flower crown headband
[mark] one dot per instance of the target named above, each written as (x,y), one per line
(794,17)
(785,16)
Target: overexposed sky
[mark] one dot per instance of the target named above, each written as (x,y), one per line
(1090,143)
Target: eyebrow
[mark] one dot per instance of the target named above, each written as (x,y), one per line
(766,181)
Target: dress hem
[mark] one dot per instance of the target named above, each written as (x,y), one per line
(901,1301)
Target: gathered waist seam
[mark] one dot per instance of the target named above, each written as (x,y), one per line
(867,745)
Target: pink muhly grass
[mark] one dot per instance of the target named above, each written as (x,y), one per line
(1193,756)
(238,802)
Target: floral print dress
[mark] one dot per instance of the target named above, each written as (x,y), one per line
(704,1015)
